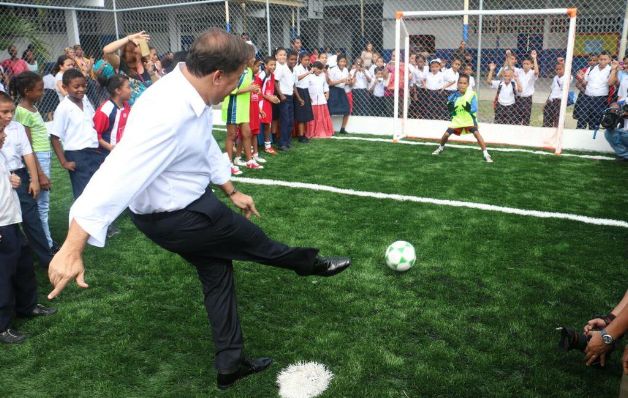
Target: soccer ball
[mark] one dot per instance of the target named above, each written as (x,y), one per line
(400,256)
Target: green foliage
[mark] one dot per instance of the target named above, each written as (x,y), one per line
(474,317)
(14,26)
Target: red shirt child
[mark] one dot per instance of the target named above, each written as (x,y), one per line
(268,88)
(254,120)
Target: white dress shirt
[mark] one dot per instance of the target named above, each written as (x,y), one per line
(298,71)
(10,211)
(285,78)
(434,81)
(597,81)
(451,77)
(75,127)
(317,88)
(622,93)
(15,146)
(506,93)
(361,81)
(166,160)
(557,87)
(378,87)
(472,82)
(418,75)
(527,80)
(336,73)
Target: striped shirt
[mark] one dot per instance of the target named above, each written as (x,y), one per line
(110,121)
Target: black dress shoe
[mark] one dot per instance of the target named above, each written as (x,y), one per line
(12,336)
(247,367)
(283,148)
(39,310)
(328,266)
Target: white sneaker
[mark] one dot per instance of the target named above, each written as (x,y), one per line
(258,159)
(438,151)
(488,159)
(239,162)
(252,164)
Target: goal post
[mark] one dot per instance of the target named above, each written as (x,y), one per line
(550,33)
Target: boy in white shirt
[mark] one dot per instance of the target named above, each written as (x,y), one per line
(361,82)
(18,285)
(436,101)
(527,77)
(596,81)
(74,125)
(505,100)
(552,106)
(378,88)
(285,87)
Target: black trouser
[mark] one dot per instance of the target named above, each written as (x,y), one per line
(18,286)
(551,111)
(209,235)
(87,161)
(31,223)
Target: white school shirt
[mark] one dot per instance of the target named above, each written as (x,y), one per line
(10,211)
(317,88)
(337,74)
(166,160)
(507,92)
(450,76)
(527,81)
(472,82)
(597,81)
(298,71)
(73,126)
(378,87)
(285,77)
(361,82)
(50,82)
(556,90)
(418,75)
(16,145)
(434,81)
(622,93)
(332,61)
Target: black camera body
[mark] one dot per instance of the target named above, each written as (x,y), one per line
(612,117)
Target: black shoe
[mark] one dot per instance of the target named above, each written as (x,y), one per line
(342,131)
(304,140)
(283,148)
(328,266)
(247,368)
(12,336)
(39,310)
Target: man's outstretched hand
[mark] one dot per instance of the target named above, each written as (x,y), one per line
(64,267)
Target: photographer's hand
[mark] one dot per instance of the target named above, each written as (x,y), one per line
(596,349)
(594,324)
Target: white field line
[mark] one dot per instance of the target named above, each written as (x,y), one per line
(476,147)
(499,149)
(440,202)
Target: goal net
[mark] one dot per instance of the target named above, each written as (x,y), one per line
(513,59)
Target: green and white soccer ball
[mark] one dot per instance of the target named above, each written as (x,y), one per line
(400,256)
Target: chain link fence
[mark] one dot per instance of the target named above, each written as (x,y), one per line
(41,32)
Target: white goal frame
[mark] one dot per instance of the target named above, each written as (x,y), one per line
(400,123)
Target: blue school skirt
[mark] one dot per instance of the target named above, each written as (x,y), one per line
(338,103)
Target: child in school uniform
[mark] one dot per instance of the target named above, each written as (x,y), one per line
(338,79)
(463,108)
(596,82)
(436,98)
(378,90)
(255,114)
(267,101)
(236,114)
(74,126)
(578,111)
(361,81)
(392,79)
(527,76)
(468,70)
(18,284)
(29,88)
(552,106)
(505,100)
(321,126)
(284,89)
(419,93)
(303,109)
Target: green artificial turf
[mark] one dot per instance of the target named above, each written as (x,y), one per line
(475,316)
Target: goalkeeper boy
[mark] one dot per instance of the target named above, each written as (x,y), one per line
(463,108)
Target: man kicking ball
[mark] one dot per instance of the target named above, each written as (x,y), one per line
(463,108)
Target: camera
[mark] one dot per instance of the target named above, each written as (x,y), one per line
(572,340)
(624,108)
(611,117)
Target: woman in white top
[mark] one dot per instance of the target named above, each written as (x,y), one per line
(367,55)
(338,78)
(594,100)
(361,82)
(321,126)
(63,63)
